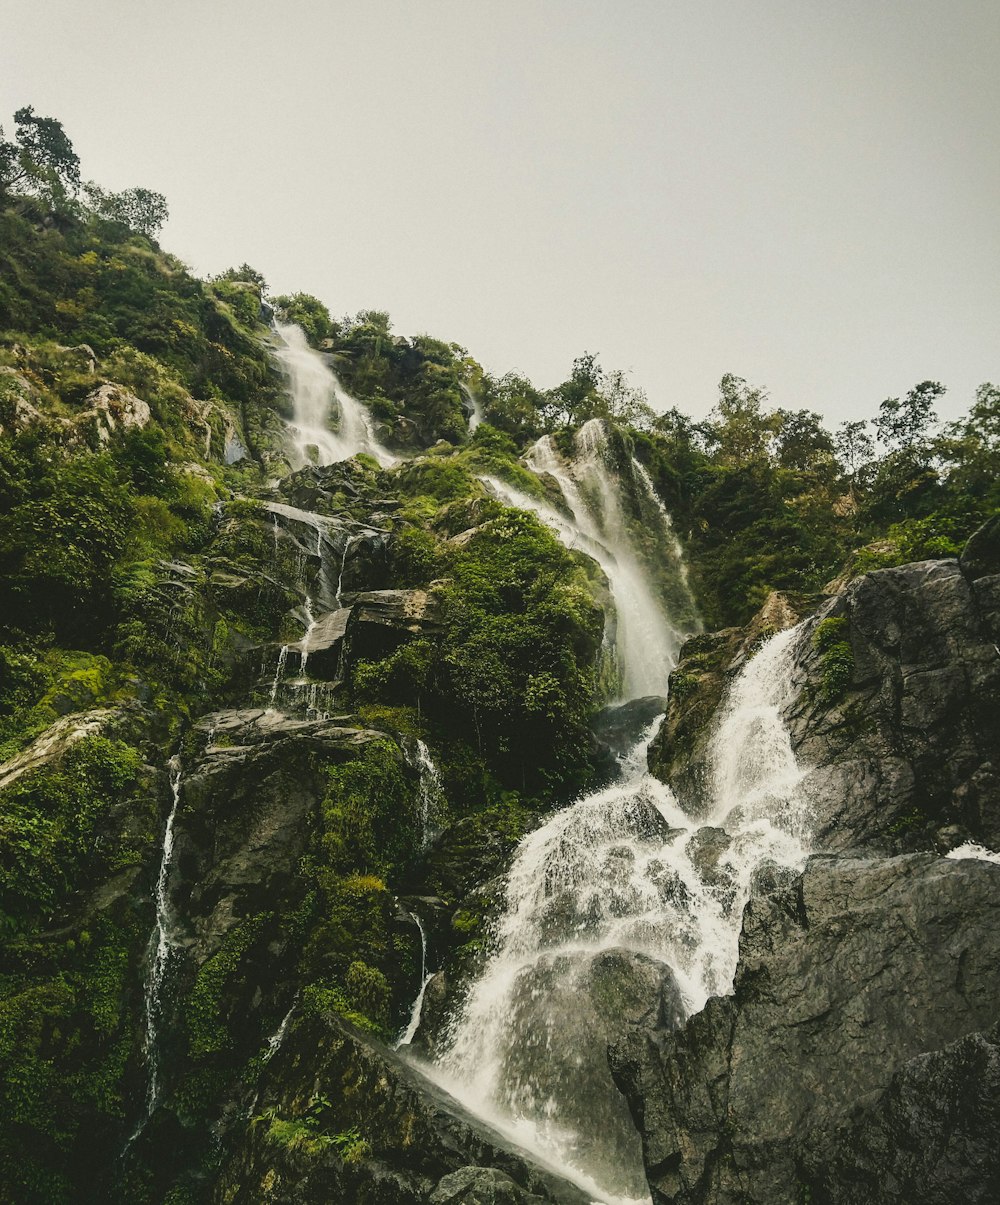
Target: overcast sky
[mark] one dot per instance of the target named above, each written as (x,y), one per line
(803,192)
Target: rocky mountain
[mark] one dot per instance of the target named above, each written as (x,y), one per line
(856,1059)
(378,822)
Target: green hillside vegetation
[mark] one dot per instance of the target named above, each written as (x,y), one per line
(141,424)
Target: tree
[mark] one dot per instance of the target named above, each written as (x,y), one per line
(803,443)
(139,209)
(245,274)
(41,158)
(854,446)
(902,425)
(739,425)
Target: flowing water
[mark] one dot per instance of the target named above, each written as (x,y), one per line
(316,396)
(475,406)
(430,794)
(408,1034)
(647,638)
(600,900)
(623,890)
(161,947)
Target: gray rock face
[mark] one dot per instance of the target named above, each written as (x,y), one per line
(246,814)
(929,1137)
(592,1000)
(415,1142)
(912,744)
(621,726)
(479,1186)
(844,980)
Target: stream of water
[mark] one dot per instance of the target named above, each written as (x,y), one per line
(317,394)
(625,890)
(160,949)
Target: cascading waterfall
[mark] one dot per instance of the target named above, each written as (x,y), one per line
(430,794)
(408,1034)
(160,946)
(646,641)
(315,390)
(615,888)
(475,406)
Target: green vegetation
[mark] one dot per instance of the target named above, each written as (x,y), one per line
(836,658)
(141,577)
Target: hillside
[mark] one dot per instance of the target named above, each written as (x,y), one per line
(329,663)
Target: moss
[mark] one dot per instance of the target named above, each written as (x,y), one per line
(836,657)
(204,1016)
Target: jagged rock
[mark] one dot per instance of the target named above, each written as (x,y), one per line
(678,753)
(705,849)
(591,998)
(246,813)
(480,1186)
(51,744)
(981,555)
(844,979)
(395,1134)
(113,408)
(910,744)
(322,643)
(618,728)
(381,620)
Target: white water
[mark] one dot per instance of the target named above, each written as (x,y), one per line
(620,871)
(316,394)
(408,1034)
(973,850)
(161,946)
(430,795)
(647,642)
(476,417)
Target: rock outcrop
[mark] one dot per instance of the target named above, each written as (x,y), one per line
(846,980)
(857,1058)
(308,1142)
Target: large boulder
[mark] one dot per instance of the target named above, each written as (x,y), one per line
(339,1117)
(898,712)
(864,993)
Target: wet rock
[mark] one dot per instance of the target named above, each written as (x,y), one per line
(844,980)
(705,849)
(620,727)
(382,1134)
(479,1186)
(591,998)
(322,645)
(678,753)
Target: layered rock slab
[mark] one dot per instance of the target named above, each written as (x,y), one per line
(845,978)
(410,1143)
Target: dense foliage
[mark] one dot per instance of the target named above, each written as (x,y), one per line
(142,584)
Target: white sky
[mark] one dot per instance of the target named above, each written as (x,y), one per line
(803,192)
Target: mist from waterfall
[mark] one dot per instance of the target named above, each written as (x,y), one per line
(316,394)
(617,888)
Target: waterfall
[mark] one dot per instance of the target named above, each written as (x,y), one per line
(315,391)
(474,404)
(430,794)
(408,1034)
(279,673)
(646,641)
(609,896)
(160,946)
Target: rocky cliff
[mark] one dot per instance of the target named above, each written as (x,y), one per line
(856,1059)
